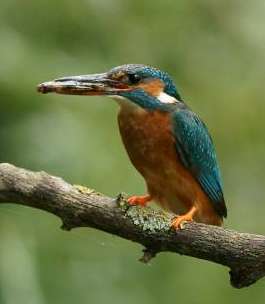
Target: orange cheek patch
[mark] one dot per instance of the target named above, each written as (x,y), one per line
(152,87)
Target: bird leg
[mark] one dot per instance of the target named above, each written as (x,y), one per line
(179,221)
(139,200)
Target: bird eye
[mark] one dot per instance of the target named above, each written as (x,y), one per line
(134,78)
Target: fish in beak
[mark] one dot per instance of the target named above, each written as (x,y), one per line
(94,84)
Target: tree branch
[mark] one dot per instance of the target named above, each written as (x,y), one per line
(243,253)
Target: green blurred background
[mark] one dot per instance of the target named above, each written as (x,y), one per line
(214,49)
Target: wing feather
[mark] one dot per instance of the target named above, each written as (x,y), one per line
(197,153)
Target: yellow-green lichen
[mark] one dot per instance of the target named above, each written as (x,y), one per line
(85,190)
(122,201)
(148,218)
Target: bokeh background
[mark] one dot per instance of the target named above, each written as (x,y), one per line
(214,49)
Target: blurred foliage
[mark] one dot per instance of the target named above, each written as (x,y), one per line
(215,51)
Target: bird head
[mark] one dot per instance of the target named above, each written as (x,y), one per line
(143,85)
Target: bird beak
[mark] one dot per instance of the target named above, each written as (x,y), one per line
(95,84)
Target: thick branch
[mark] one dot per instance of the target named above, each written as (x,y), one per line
(243,253)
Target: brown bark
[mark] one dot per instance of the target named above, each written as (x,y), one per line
(243,253)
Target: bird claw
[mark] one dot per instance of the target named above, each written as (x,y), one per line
(180,222)
(139,200)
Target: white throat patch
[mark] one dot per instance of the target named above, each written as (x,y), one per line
(165,98)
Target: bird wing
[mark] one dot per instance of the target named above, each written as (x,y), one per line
(197,153)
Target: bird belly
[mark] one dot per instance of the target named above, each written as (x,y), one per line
(149,142)
(150,146)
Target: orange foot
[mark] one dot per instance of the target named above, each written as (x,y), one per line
(139,200)
(179,221)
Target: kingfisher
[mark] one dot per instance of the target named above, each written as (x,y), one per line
(166,141)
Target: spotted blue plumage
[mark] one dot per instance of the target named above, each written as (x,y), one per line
(196,151)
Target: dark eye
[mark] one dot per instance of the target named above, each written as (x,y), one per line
(134,78)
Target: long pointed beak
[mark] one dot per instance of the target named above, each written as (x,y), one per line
(94,84)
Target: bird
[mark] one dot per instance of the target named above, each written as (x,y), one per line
(168,143)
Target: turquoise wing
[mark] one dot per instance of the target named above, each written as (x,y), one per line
(197,153)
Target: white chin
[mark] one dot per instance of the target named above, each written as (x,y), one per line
(125,103)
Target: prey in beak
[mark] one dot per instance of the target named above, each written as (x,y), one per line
(94,84)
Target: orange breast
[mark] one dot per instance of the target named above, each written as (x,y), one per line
(150,145)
